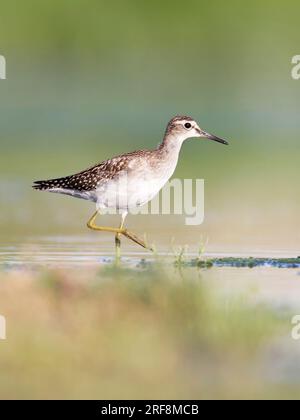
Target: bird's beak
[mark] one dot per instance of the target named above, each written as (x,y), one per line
(211,137)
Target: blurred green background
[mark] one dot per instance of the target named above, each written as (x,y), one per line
(90,79)
(87,80)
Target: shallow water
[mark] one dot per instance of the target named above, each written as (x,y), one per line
(279,287)
(96,249)
(62,251)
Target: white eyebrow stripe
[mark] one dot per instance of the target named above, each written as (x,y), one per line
(186,121)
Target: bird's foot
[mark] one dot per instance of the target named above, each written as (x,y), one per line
(135,239)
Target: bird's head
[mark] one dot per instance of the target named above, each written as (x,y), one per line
(183,127)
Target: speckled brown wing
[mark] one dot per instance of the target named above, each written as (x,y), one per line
(89,179)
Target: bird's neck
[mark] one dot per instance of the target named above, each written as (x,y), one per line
(168,153)
(171,145)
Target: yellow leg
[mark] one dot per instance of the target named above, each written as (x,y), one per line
(91,225)
(118,240)
(118,231)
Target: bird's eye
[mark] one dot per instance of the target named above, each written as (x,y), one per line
(187,126)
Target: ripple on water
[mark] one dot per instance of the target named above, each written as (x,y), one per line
(77,250)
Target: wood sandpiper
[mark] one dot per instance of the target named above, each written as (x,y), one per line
(141,174)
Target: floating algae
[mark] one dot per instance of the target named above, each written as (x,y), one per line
(245,262)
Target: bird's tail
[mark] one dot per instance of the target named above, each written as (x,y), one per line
(50,184)
(69,185)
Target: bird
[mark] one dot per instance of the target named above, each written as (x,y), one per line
(129,180)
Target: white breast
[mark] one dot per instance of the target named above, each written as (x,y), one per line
(137,186)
